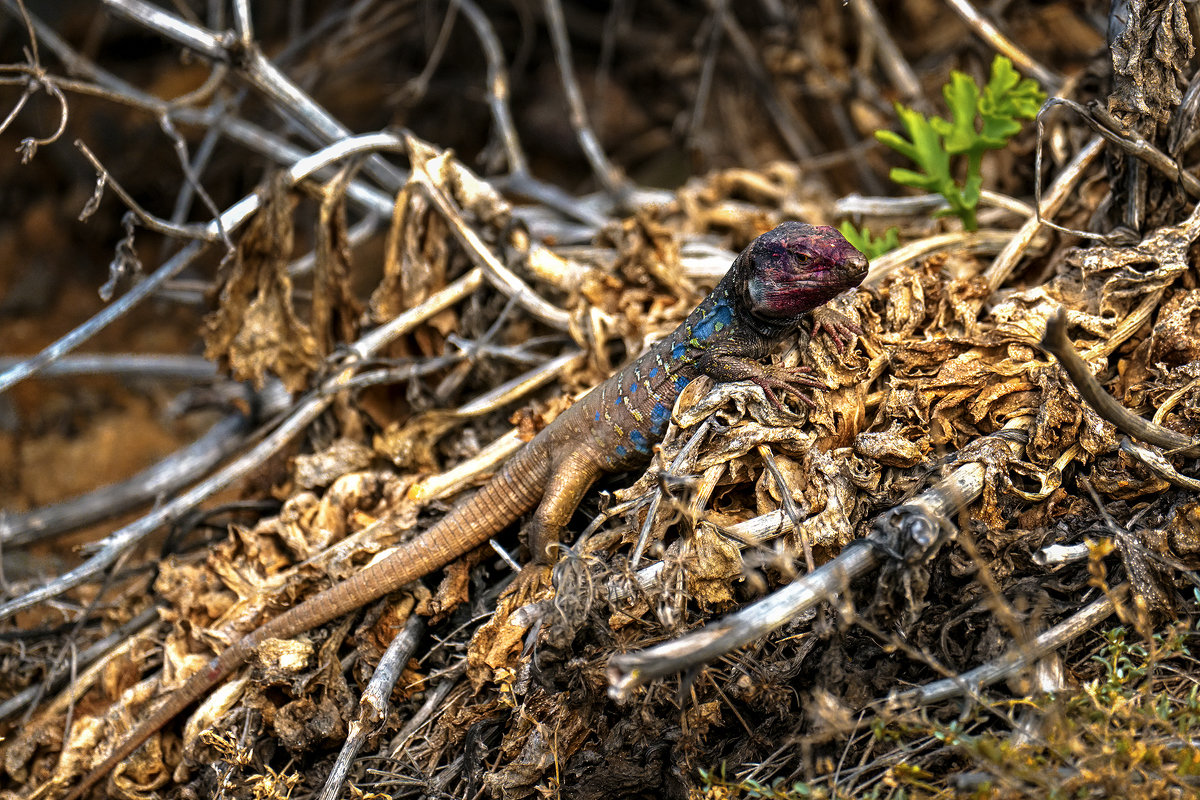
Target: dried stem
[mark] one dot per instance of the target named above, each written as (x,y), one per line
(918,527)
(230,220)
(373,706)
(610,177)
(986,30)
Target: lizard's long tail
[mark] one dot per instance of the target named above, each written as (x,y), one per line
(512,492)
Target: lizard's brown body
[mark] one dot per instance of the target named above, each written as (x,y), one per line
(782,275)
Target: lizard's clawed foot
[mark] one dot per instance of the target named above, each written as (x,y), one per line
(836,325)
(787,381)
(531,583)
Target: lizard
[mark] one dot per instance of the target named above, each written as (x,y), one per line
(771,286)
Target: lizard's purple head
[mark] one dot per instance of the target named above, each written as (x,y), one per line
(796,268)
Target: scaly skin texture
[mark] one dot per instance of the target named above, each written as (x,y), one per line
(778,278)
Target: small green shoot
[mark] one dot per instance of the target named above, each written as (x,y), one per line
(867,244)
(981,120)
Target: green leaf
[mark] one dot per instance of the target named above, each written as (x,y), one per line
(857,239)
(930,154)
(867,244)
(961,95)
(997,130)
(923,147)
(918,180)
(1006,99)
(1004,77)
(897,143)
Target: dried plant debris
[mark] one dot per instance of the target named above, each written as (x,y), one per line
(958,569)
(255,328)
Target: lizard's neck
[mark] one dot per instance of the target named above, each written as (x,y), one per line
(734,291)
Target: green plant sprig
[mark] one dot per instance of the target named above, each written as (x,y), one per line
(869,245)
(981,120)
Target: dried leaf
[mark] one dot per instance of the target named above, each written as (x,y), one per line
(335,309)
(255,330)
(1148,58)
(321,469)
(712,563)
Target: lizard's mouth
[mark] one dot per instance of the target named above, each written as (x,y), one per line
(812,292)
(829,286)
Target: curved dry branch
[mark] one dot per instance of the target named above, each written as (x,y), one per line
(1056,343)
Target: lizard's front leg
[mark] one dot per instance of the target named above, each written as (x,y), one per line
(836,325)
(570,478)
(727,368)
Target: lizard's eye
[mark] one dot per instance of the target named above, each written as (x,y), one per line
(803,258)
